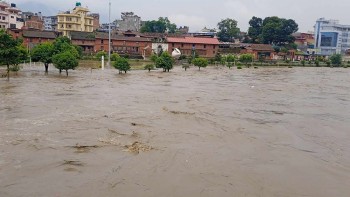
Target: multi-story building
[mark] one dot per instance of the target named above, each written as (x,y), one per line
(10,16)
(96,22)
(50,23)
(331,37)
(75,20)
(33,20)
(129,22)
(4,15)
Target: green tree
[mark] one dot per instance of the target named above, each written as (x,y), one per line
(100,54)
(165,61)
(303,62)
(278,31)
(231,58)
(65,61)
(336,59)
(228,30)
(43,53)
(63,44)
(246,58)
(186,66)
(11,52)
(122,64)
(255,29)
(154,58)
(149,67)
(114,56)
(158,26)
(200,62)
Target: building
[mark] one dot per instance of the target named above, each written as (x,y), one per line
(85,40)
(33,20)
(50,23)
(75,20)
(204,47)
(304,41)
(331,37)
(31,38)
(129,22)
(10,16)
(96,22)
(133,46)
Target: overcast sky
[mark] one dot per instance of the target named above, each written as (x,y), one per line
(199,13)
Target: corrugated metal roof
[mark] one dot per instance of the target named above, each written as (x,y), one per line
(193,40)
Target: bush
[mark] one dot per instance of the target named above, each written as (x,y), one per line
(239,67)
(200,62)
(100,54)
(122,64)
(65,61)
(114,57)
(149,67)
(317,63)
(303,62)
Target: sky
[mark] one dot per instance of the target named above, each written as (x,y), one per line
(198,14)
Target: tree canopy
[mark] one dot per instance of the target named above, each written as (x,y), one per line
(228,30)
(65,61)
(122,64)
(161,25)
(165,61)
(272,30)
(11,51)
(200,62)
(336,59)
(43,53)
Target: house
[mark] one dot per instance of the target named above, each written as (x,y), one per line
(204,47)
(85,40)
(132,46)
(265,51)
(32,38)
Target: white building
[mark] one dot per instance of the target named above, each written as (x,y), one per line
(10,16)
(331,37)
(50,23)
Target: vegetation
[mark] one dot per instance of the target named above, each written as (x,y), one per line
(186,66)
(100,54)
(200,62)
(149,67)
(159,26)
(65,61)
(43,53)
(336,59)
(231,58)
(229,65)
(122,64)
(228,30)
(246,58)
(154,58)
(272,30)
(165,61)
(303,62)
(11,52)
(114,56)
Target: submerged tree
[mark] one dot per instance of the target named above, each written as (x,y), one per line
(11,52)
(200,62)
(122,64)
(165,61)
(43,53)
(65,61)
(149,67)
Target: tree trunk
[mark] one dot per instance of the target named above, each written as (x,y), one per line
(199,68)
(149,70)
(8,72)
(185,68)
(67,72)
(125,71)
(60,71)
(46,67)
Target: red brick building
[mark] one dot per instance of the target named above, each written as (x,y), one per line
(34,22)
(205,47)
(32,38)
(259,50)
(136,46)
(85,40)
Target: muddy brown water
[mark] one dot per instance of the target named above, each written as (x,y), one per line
(215,132)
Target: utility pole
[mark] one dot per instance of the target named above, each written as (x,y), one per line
(109,36)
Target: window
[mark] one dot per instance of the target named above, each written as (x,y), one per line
(3,18)
(205,46)
(12,17)
(101,41)
(182,45)
(173,45)
(214,47)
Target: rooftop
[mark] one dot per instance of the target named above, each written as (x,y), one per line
(194,40)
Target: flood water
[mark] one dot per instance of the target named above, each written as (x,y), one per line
(280,132)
